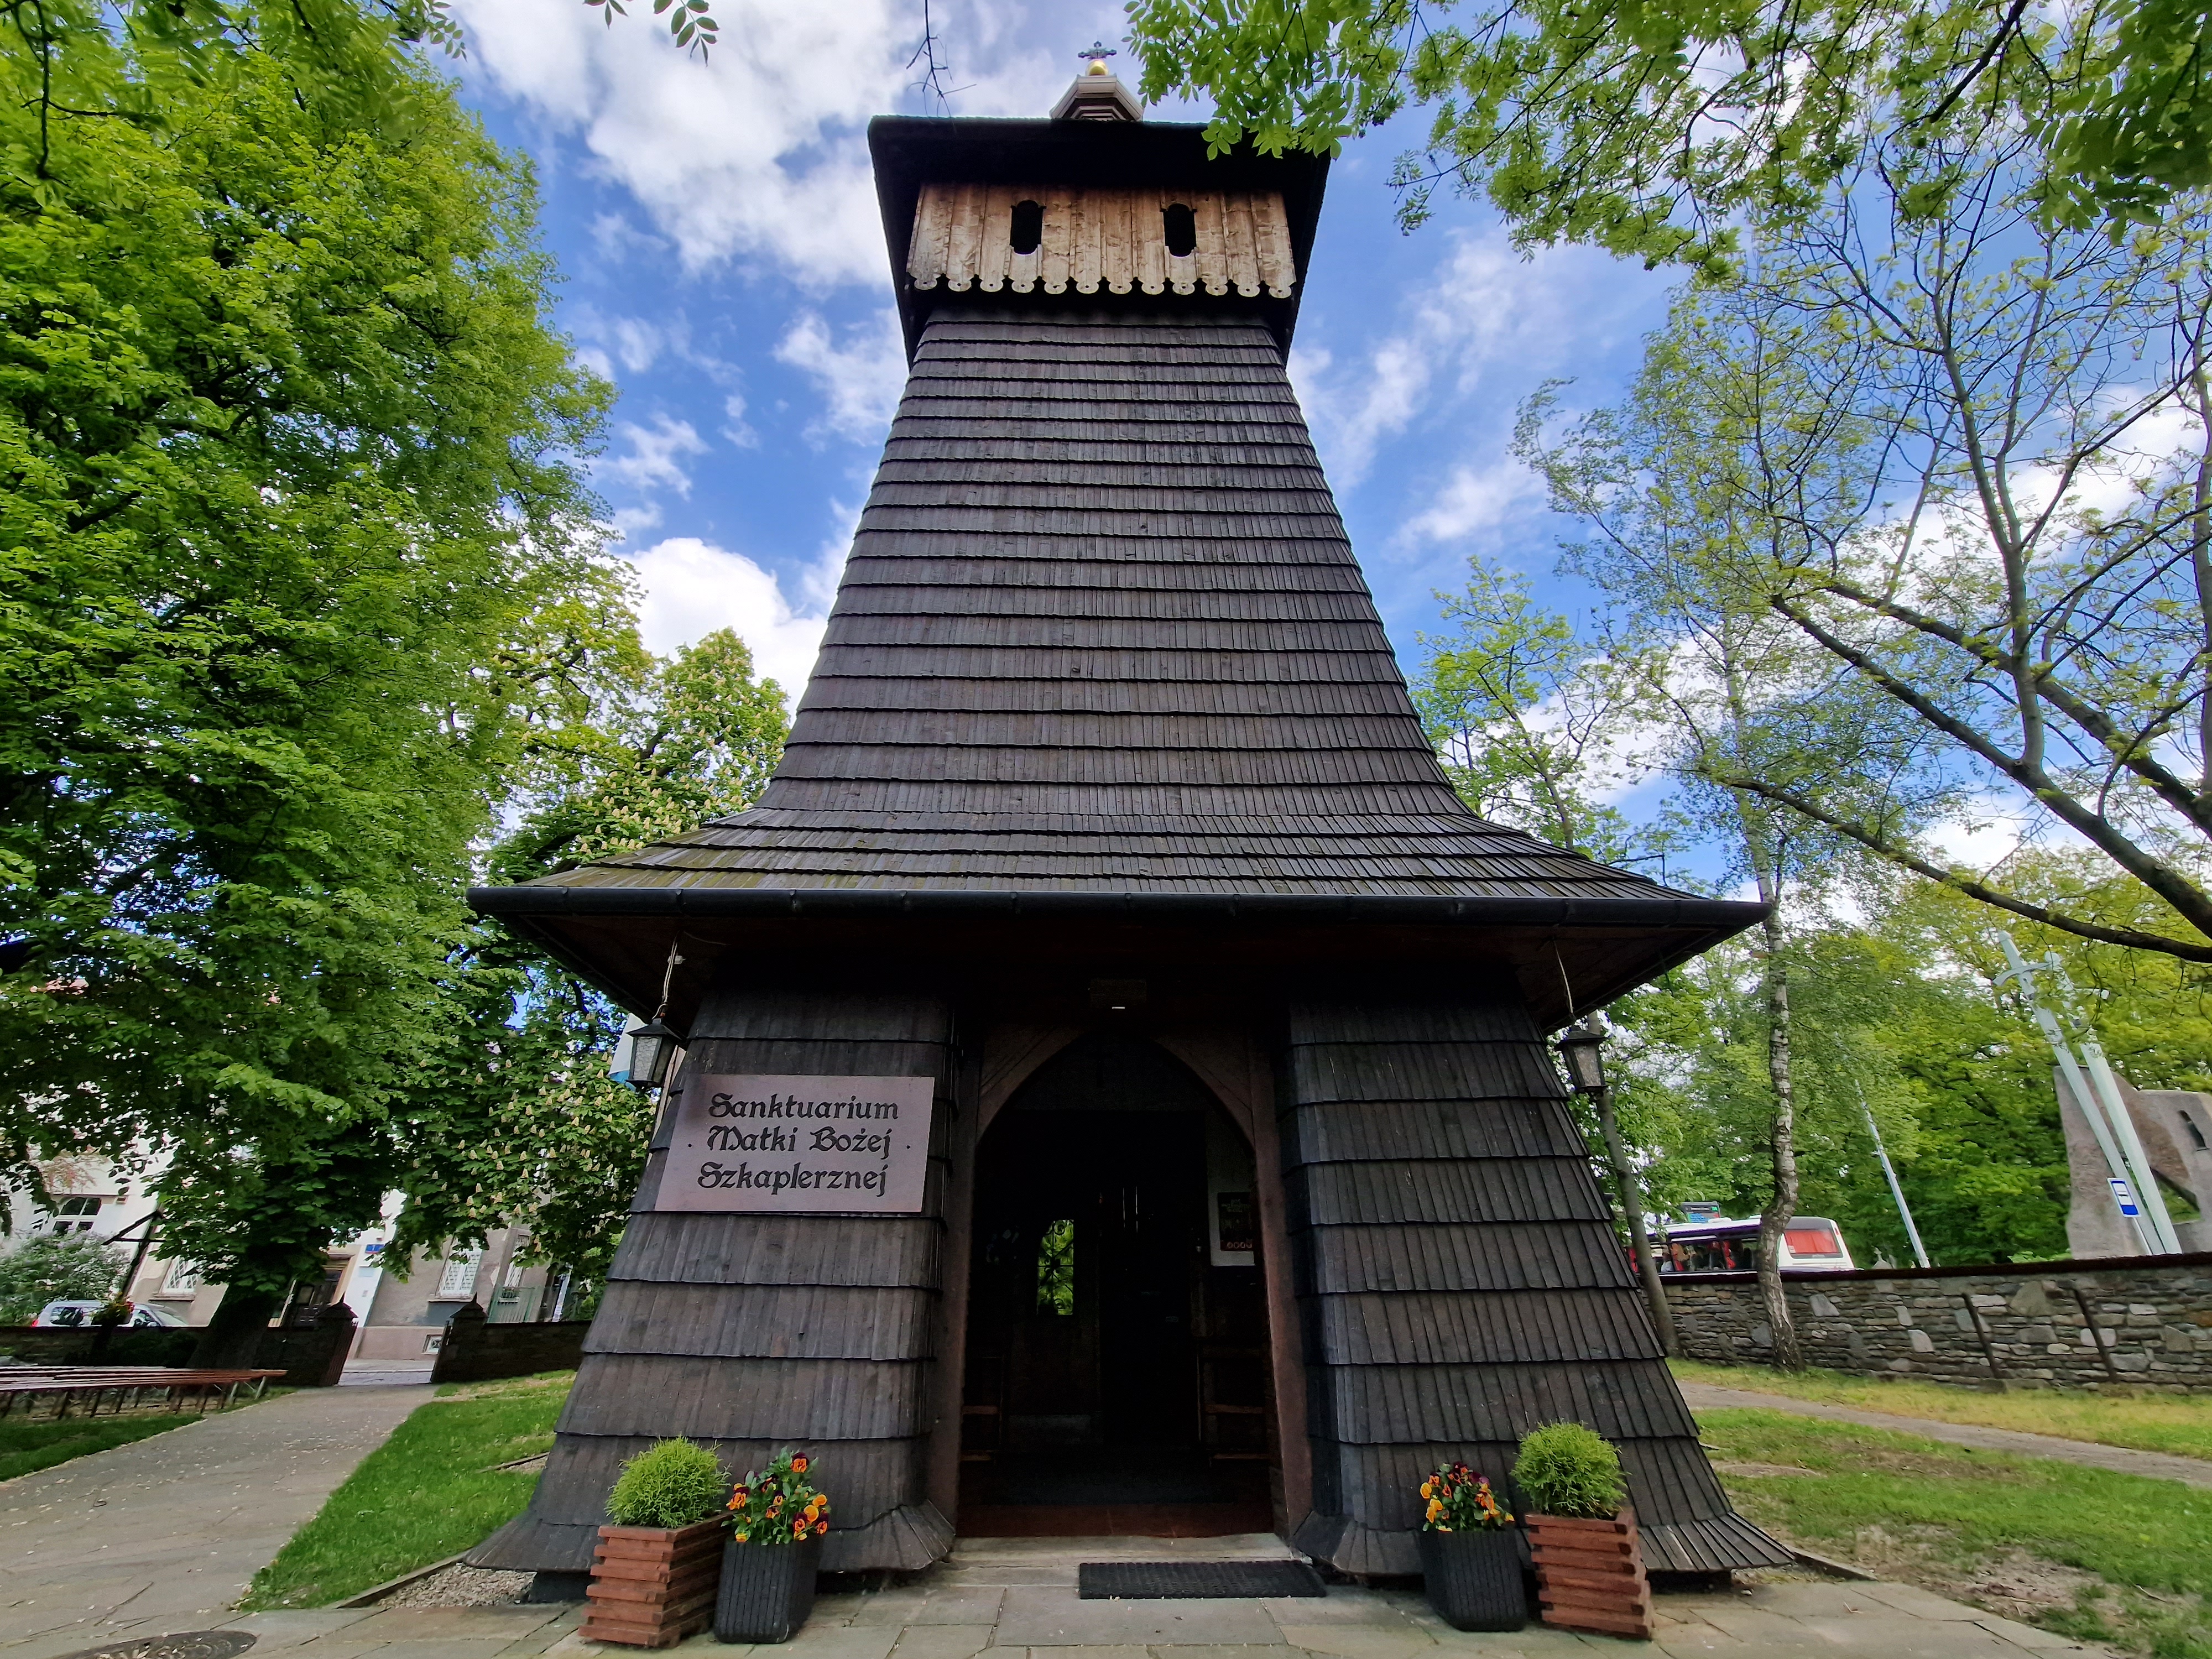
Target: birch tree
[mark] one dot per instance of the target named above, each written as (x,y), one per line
(1973,453)
(1716,676)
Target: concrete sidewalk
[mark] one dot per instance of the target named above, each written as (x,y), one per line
(164,1534)
(2121,1459)
(1015,1599)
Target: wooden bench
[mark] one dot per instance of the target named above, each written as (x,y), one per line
(121,1385)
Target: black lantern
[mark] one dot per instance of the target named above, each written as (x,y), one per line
(1582,1047)
(652,1048)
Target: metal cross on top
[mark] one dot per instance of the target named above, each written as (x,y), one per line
(1098,53)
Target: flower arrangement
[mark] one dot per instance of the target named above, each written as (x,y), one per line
(780,1506)
(114,1311)
(1460,1500)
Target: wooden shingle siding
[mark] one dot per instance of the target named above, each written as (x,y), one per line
(1460,1282)
(1102,630)
(1495,1256)
(682,1248)
(817,1404)
(796,1321)
(1552,1188)
(1443,1404)
(748,1333)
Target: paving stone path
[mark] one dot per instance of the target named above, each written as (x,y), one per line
(1015,1599)
(2194,1471)
(164,1534)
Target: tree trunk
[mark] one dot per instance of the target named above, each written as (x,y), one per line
(1783,1205)
(1631,1210)
(233,1337)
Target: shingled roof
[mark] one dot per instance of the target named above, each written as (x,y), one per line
(1102,639)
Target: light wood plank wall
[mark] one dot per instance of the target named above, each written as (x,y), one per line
(1114,238)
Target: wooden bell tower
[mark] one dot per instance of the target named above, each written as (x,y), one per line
(1230,1157)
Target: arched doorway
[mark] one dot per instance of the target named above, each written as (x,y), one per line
(1117,1374)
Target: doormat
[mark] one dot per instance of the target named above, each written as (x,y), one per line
(1193,1581)
(191,1644)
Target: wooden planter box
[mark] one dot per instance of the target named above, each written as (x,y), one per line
(652,1586)
(1590,1574)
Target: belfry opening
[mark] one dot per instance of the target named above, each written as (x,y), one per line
(1114,1089)
(1116,1376)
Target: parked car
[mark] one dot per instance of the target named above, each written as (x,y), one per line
(1715,1244)
(80,1313)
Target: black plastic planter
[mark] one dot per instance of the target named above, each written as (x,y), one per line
(768,1590)
(1472,1579)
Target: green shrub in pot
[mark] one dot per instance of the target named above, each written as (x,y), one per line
(1567,1469)
(673,1483)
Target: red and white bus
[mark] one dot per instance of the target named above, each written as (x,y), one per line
(1714,1244)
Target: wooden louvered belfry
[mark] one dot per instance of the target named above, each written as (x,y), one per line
(1106,746)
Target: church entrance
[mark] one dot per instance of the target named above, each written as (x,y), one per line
(1117,1376)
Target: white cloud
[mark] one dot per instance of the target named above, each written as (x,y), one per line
(1482,301)
(1475,499)
(757,153)
(633,343)
(740,435)
(1484,312)
(1992,834)
(861,380)
(656,454)
(693,587)
(628,521)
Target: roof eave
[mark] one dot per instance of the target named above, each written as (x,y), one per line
(1568,954)
(1669,910)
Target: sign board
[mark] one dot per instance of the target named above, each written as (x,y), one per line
(800,1145)
(2125,1197)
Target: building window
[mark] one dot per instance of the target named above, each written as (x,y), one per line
(1056,1269)
(182,1279)
(459,1277)
(1027,229)
(73,1215)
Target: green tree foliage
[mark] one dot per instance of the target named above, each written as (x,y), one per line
(1883,1019)
(354,62)
(77,1268)
(511,1117)
(285,490)
(1521,710)
(1962,458)
(1648,130)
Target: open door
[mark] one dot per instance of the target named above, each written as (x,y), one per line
(1116,1379)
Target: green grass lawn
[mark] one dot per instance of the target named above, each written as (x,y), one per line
(28,1447)
(2180,1424)
(2087,1554)
(428,1492)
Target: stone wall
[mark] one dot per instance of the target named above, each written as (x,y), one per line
(475,1351)
(74,1344)
(311,1356)
(2136,1323)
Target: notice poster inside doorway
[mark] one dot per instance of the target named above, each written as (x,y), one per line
(800,1145)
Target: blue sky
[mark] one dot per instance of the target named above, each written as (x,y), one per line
(725,267)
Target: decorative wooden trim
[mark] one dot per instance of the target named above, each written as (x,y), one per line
(1590,1574)
(1101,237)
(651,1587)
